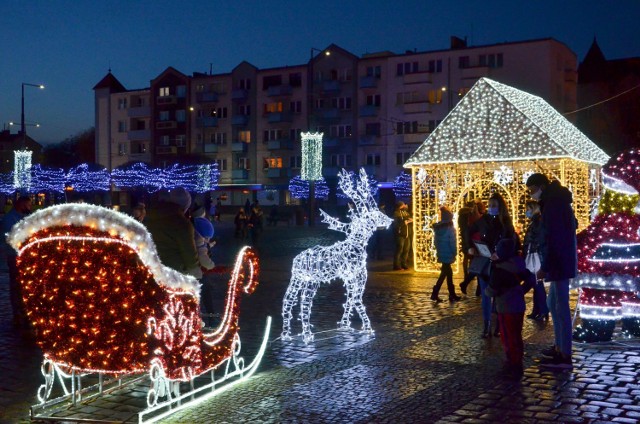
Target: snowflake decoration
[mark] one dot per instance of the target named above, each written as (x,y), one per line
(503,176)
(467,179)
(593,178)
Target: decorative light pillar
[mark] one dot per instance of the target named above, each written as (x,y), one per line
(22,170)
(311,166)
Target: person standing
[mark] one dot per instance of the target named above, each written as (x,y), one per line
(532,259)
(491,227)
(401,222)
(21,208)
(173,233)
(377,238)
(241,221)
(558,262)
(446,250)
(218,211)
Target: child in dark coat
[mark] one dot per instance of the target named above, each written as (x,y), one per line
(508,271)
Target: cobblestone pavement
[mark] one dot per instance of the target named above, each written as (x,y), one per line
(426,362)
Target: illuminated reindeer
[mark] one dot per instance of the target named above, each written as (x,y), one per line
(345,260)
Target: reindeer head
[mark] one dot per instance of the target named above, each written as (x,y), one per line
(365,207)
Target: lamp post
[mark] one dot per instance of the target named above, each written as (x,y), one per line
(22,124)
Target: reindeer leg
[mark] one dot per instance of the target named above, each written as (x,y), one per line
(362,280)
(290,299)
(308,293)
(345,322)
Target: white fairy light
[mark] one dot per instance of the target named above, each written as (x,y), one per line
(345,260)
(526,175)
(593,178)
(442,197)
(311,156)
(503,176)
(22,170)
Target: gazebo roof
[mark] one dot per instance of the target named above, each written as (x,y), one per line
(496,122)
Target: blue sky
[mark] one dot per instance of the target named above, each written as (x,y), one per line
(70,45)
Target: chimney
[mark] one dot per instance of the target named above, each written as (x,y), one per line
(458,43)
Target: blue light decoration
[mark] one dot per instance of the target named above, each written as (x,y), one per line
(402,186)
(299,188)
(373,186)
(6,183)
(194,178)
(84,178)
(45,180)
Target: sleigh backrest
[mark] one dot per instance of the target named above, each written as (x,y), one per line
(91,280)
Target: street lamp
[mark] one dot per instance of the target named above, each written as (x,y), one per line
(22,124)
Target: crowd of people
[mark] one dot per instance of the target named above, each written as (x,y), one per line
(505,265)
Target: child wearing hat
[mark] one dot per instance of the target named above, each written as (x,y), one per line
(446,249)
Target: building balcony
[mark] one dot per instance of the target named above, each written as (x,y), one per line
(417,78)
(239,119)
(139,112)
(417,138)
(367,140)
(417,107)
(139,134)
(239,174)
(331,142)
(166,150)
(475,72)
(279,90)
(369,110)
(278,172)
(207,97)
(239,147)
(211,148)
(165,125)
(276,117)
(166,100)
(368,82)
(280,144)
(239,94)
(333,113)
(207,122)
(332,86)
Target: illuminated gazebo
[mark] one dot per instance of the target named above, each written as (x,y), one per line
(493,139)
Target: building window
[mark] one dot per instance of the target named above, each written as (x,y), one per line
(219,113)
(411,97)
(244,136)
(164,92)
(499,60)
(373,100)
(122,104)
(243,163)
(345,74)
(181,91)
(295,162)
(294,134)
(122,126)
(407,68)
(222,164)
(199,88)
(407,127)
(402,157)
(244,110)
(340,131)
(343,103)
(340,159)
(164,140)
(463,62)
(141,148)
(373,129)
(218,87)
(271,81)
(373,159)
(272,135)
(462,91)
(374,71)
(319,103)
(273,162)
(273,107)
(435,66)
(181,115)
(164,115)
(218,138)
(122,149)
(295,107)
(435,96)
(181,140)
(295,79)
(244,84)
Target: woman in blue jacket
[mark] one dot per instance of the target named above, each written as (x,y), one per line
(446,249)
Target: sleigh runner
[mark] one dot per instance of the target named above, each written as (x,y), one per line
(101,303)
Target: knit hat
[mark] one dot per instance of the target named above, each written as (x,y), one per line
(203,227)
(180,197)
(446,214)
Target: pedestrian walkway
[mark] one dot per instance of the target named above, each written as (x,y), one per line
(425,363)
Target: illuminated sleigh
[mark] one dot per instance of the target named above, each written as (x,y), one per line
(101,303)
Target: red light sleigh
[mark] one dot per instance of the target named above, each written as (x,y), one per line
(101,303)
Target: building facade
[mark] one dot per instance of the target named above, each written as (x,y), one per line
(374,110)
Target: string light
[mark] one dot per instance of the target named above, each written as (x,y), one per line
(22,170)
(194,178)
(372,182)
(609,255)
(85,178)
(494,137)
(101,301)
(311,156)
(402,186)
(299,188)
(47,179)
(345,260)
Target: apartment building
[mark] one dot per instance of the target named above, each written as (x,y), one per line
(374,109)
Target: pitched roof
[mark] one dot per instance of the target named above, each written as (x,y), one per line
(109,81)
(496,122)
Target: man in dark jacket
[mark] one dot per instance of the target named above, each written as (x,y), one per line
(559,261)
(401,224)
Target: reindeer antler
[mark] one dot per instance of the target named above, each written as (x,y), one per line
(334,223)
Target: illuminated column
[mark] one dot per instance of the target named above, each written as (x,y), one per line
(311,166)
(22,170)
